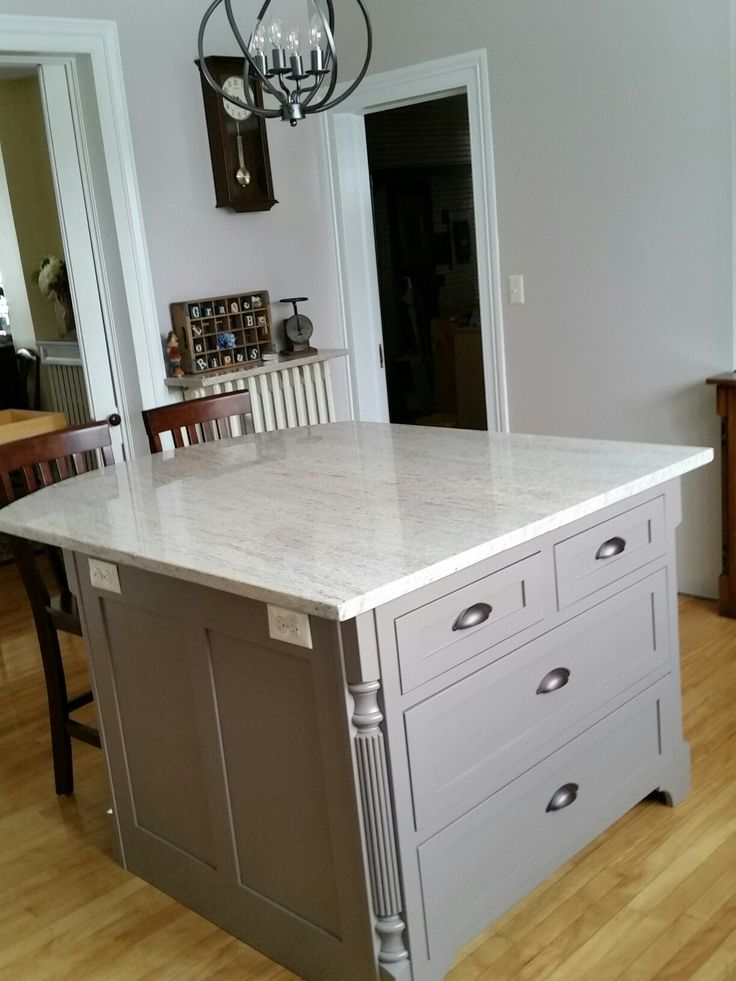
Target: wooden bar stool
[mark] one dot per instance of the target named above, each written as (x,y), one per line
(30,464)
(202,420)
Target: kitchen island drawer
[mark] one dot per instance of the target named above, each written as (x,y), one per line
(479,866)
(600,555)
(470,739)
(452,628)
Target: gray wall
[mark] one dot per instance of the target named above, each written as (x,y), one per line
(612,137)
(612,145)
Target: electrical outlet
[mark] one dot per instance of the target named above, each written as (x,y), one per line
(289,626)
(104,575)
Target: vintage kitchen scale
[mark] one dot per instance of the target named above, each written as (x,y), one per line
(297,330)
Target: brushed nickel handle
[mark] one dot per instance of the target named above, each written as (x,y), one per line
(563,797)
(614,546)
(553,680)
(472,616)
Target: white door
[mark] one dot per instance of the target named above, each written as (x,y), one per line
(74,202)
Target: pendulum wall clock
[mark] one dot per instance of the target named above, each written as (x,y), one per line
(238,144)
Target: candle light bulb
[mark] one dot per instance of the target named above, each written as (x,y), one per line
(293,40)
(258,42)
(315,44)
(315,31)
(257,49)
(275,33)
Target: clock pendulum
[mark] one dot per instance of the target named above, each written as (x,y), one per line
(298,330)
(234,86)
(242,174)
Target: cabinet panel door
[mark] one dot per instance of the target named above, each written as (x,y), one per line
(231,768)
(448,631)
(484,862)
(608,551)
(467,741)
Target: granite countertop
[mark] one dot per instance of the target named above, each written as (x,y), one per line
(337,519)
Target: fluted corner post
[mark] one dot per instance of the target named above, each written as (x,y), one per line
(375,801)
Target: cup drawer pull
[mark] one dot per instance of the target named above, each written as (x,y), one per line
(553,681)
(472,616)
(614,546)
(563,797)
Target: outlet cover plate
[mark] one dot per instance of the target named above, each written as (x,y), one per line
(289,626)
(104,575)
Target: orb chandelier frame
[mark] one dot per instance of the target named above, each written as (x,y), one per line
(295,86)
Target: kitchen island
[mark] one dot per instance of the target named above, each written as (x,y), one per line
(362,686)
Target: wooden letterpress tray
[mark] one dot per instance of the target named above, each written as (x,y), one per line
(222,333)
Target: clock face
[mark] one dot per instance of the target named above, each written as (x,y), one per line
(233,85)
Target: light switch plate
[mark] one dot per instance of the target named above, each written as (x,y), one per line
(516,289)
(289,626)
(104,575)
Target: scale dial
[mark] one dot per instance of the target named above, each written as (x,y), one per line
(299,329)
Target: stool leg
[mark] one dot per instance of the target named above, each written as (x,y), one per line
(61,744)
(53,666)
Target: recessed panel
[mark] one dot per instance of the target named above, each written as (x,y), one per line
(161,741)
(275,774)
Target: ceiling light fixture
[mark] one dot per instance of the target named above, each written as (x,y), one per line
(275,60)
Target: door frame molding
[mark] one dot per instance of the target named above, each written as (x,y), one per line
(346,163)
(35,40)
(81,246)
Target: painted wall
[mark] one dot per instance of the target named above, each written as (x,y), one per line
(612,135)
(612,145)
(31,191)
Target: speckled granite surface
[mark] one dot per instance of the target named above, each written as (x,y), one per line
(337,519)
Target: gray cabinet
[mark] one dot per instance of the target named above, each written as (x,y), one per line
(361,809)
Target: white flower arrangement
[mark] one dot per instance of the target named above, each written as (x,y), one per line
(53,284)
(52,279)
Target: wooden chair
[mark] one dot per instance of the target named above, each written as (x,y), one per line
(28,465)
(202,419)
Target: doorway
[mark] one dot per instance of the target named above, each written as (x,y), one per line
(424,230)
(35,263)
(91,148)
(474,232)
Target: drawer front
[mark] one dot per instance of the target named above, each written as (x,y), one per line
(602,554)
(455,627)
(480,865)
(469,740)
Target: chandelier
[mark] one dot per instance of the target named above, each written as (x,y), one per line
(278,61)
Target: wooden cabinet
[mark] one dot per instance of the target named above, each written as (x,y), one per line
(726,408)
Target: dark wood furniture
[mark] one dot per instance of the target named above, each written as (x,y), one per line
(726,408)
(202,419)
(11,390)
(27,465)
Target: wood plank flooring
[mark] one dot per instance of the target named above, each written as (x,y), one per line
(653,897)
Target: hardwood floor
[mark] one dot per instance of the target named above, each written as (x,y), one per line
(654,897)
